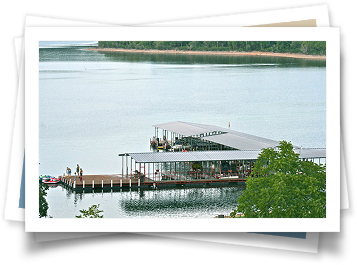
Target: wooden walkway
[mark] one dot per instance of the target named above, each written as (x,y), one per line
(99,180)
(116,181)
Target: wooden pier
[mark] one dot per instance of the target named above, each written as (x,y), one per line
(99,181)
(117,182)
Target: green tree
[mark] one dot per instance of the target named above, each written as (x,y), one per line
(92,212)
(43,205)
(282,185)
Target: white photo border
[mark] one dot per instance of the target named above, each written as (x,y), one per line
(329,224)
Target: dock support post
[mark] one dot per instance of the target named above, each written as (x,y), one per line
(131,166)
(180,170)
(121,184)
(139,183)
(74,184)
(83,184)
(129,182)
(102,184)
(127,172)
(220,168)
(111,183)
(122,166)
(93,184)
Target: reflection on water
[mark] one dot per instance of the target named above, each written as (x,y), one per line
(169,203)
(211,59)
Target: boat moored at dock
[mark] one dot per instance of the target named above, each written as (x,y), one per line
(52,180)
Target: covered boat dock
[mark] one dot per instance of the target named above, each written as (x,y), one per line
(200,165)
(199,152)
(192,155)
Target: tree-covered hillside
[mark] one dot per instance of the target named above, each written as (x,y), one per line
(303,47)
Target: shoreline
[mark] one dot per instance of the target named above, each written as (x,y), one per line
(231,53)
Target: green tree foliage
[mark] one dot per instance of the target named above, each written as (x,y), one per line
(92,212)
(282,185)
(304,47)
(43,205)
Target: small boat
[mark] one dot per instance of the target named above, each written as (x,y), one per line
(52,181)
(43,178)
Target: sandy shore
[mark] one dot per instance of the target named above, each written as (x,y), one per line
(231,53)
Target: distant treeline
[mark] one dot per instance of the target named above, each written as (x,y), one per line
(303,47)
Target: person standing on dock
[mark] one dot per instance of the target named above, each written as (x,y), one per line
(80,174)
(77,169)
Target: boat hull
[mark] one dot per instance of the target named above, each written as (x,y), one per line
(51,181)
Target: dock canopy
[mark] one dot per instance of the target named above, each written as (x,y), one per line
(162,157)
(218,135)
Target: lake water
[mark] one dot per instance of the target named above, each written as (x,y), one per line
(95,105)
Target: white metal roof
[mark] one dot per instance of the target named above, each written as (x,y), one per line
(183,128)
(231,138)
(240,142)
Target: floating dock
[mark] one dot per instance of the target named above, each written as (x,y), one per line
(191,155)
(115,182)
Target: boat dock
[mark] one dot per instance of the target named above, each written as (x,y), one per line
(189,155)
(117,182)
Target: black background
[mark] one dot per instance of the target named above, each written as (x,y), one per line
(139,248)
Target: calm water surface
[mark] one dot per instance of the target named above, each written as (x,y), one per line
(95,105)
(165,203)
